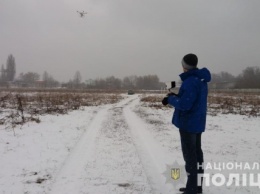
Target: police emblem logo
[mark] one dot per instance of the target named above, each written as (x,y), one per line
(175,173)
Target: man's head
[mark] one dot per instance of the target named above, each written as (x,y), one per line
(189,62)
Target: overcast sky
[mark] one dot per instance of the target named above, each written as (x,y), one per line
(129,37)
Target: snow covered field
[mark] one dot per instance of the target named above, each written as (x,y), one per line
(116,148)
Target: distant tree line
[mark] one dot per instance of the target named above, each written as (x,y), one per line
(147,82)
(249,78)
(33,79)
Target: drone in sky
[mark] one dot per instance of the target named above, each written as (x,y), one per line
(82,14)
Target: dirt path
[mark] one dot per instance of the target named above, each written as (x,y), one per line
(116,154)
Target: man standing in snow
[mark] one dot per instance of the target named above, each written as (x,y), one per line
(190,117)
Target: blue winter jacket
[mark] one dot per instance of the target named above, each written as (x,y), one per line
(191,102)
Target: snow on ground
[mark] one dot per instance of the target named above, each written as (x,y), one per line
(37,151)
(228,138)
(115,148)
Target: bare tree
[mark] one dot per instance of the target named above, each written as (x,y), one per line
(77,79)
(222,77)
(148,82)
(113,83)
(3,74)
(45,76)
(49,81)
(10,68)
(30,78)
(250,78)
(130,82)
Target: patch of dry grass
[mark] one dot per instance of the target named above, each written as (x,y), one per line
(218,102)
(234,103)
(17,108)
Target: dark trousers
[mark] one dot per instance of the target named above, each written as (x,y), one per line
(193,155)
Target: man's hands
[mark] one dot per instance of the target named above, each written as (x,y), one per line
(165,99)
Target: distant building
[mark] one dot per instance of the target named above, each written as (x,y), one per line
(40,83)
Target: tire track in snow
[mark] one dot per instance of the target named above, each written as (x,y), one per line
(152,155)
(117,167)
(115,155)
(69,179)
(81,163)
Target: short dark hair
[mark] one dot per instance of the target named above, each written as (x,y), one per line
(190,61)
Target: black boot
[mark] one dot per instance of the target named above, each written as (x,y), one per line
(182,189)
(199,190)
